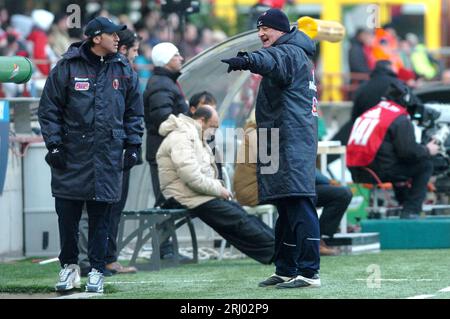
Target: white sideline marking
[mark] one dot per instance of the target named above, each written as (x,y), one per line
(161,281)
(421,297)
(445,289)
(81,295)
(398,279)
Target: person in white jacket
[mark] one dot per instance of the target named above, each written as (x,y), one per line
(188,175)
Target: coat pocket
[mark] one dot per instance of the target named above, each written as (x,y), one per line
(117,146)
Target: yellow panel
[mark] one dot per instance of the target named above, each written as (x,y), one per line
(331,55)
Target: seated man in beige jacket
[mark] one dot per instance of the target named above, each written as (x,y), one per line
(188,174)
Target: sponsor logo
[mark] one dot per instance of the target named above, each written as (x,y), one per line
(81,86)
(15,71)
(115,84)
(312,84)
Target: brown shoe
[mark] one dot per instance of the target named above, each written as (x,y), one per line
(117,268)
(326,250)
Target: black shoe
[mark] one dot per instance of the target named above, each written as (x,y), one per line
(171,256)
(300,282)
(273,280)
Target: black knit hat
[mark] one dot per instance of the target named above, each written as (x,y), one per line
(275,19)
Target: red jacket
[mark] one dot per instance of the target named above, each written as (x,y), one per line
(40,41)
(368,132)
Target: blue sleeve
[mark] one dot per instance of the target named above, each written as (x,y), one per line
(52,101)
(134,112)
(273,63)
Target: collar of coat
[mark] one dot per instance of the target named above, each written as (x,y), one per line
(166,72)
(76,51)
(181,123)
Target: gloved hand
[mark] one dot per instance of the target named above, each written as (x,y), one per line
(56,157)
(130,157)
(238,63)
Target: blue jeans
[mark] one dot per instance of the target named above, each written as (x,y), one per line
(69,214)
(297,237)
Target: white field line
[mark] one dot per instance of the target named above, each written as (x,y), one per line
(445,289)
(421,297)
(399,279)
(81,295)
(142,282)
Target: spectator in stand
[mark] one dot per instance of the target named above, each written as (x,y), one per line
(38,37)
(360,58)
(422,61)
(189,44)
(445,77)
(59,38)
(370,93)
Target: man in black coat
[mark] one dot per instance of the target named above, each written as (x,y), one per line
(90,112)
(163,96)
(286,109)
(357,59)
(369,94)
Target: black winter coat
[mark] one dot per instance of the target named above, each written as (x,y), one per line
(92,117)
(286,101)
(357,60)
(369,94)
(399,147)
(162,97)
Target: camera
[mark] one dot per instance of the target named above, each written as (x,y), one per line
(436,123)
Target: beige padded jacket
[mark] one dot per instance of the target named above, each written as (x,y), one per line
(186,167)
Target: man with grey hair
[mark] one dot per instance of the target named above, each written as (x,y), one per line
(287,104)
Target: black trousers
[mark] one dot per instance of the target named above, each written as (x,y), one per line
(246,232)
(159,198)
(297,237)
(69,213)
(114,219)
(334,200)
(166,246)
(420,172)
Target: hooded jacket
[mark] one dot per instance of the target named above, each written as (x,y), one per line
(369,94)
(186,167)
(286,102)
(92,117)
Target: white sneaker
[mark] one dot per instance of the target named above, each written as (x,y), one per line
(69,278)
(95,281)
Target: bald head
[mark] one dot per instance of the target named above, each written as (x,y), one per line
(207,116)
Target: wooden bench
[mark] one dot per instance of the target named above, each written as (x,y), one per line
(157,225)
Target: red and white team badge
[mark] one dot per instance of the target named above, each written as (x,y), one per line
(115,84)
(81,86)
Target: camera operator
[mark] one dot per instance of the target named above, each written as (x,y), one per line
(383,140)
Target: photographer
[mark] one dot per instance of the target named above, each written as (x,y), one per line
(383,140)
